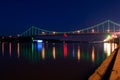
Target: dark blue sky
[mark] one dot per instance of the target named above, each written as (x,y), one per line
(56,15)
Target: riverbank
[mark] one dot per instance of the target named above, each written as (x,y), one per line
(109,69)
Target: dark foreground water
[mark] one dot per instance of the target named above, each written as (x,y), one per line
(51,61)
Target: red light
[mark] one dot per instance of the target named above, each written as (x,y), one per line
(65,35)
(65,50)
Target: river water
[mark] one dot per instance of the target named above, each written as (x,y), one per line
(51,61)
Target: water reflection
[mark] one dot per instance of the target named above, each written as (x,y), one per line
(39,46)
(65,49)
(10,49)
(18,49)
(93,54)
(54,52)
(78,53)
(43,51)
(109,47)
(32,51)
(56,56)
(52,57)
(32,48)
(2,48)
(73,51)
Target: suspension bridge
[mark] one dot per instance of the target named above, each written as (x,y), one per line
(97,32)
(107,26)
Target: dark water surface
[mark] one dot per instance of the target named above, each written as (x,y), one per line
(51,61)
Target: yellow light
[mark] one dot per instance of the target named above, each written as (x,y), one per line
(93,54)
(54,54)
(43,52)
(78,54)
(109,47)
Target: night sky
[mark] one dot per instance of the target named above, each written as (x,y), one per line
(56,15)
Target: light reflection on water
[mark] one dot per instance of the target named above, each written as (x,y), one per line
(10,49)
(109,47)
(43,51)
(93,54)
(78,56)
(18,49)
(65,49)
(54,53)
(3,49)
(69,49)
(73,51)
(78,53)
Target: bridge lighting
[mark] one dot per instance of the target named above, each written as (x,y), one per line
(43,33)
(108,30)
(65,35)
(39,41)
(78,31)
(114,36)
(108,37)
(93,30)
(54,32)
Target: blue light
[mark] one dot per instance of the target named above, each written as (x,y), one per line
(73,52)
(39,46)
